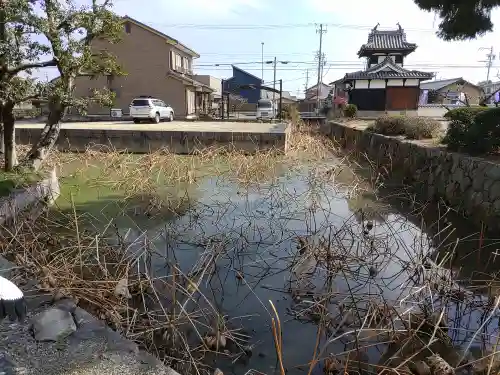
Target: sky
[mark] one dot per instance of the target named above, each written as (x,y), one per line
(229,32)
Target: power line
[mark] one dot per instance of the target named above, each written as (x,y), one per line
(340,65)
(275,26)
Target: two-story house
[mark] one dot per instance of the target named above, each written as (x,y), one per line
(155,64)
(313,92)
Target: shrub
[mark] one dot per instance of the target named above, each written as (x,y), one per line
(350,110)
(473,130)
(389,125)
(465,115)
(422,128)
(484,134)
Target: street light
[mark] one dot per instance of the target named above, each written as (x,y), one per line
(274,62)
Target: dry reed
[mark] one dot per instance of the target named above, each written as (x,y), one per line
(173,314)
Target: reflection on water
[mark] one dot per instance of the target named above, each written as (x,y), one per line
(305,242)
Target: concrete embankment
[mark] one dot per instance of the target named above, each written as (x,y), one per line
(177,137)
(468,184)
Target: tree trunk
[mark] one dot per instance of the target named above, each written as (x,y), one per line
(2,147)
(9,134)
(48,137)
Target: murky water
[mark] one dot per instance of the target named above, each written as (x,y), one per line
(360,252)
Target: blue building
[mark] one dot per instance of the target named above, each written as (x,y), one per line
(239,78)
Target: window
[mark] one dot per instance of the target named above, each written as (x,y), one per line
(178,61)
(128,27)
(140,102)
(185,63)
(398,59)
(373,60)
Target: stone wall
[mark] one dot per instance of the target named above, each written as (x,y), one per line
(469,184)
(78,140)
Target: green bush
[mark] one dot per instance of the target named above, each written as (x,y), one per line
(422,128)
(350,110)
(465,115)
(473,130)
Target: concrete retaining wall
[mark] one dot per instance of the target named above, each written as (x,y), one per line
(78,140)
(469,184)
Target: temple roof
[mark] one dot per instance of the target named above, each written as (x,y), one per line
(385,40)
(388,69)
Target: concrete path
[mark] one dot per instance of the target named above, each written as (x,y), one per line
(181,126)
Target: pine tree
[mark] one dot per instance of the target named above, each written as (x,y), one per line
(461,19)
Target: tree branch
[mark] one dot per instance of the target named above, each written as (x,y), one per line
(34,65)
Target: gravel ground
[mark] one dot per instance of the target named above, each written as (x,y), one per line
(92,349)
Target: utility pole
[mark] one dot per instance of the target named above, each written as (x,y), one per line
(275,63)
(274,82)
(262,50)
(489,60)
(281,100)
(306,86)
(320,31)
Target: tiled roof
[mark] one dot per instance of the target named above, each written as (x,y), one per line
(383,75)
(387,69)
(386,40)
(438,85)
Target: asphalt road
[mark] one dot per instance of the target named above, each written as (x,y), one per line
(185,126)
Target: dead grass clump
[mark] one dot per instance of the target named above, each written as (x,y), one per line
(306,142)
(117,285)
(412,127)
(389,125)
(422,128)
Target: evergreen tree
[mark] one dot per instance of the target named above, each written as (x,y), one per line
(461,19)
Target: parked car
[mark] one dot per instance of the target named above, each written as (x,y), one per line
(151,109)
(265,109)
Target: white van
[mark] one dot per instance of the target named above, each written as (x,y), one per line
(265,109)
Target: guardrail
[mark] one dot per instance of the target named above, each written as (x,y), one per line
(311,115)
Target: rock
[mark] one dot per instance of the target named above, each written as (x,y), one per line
(439,366)
(121,289)
(53,325)
(7,365)
(419,368)
(6,267)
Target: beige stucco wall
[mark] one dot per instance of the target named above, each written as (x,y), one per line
(145,57)
(473,93)
(212,82)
